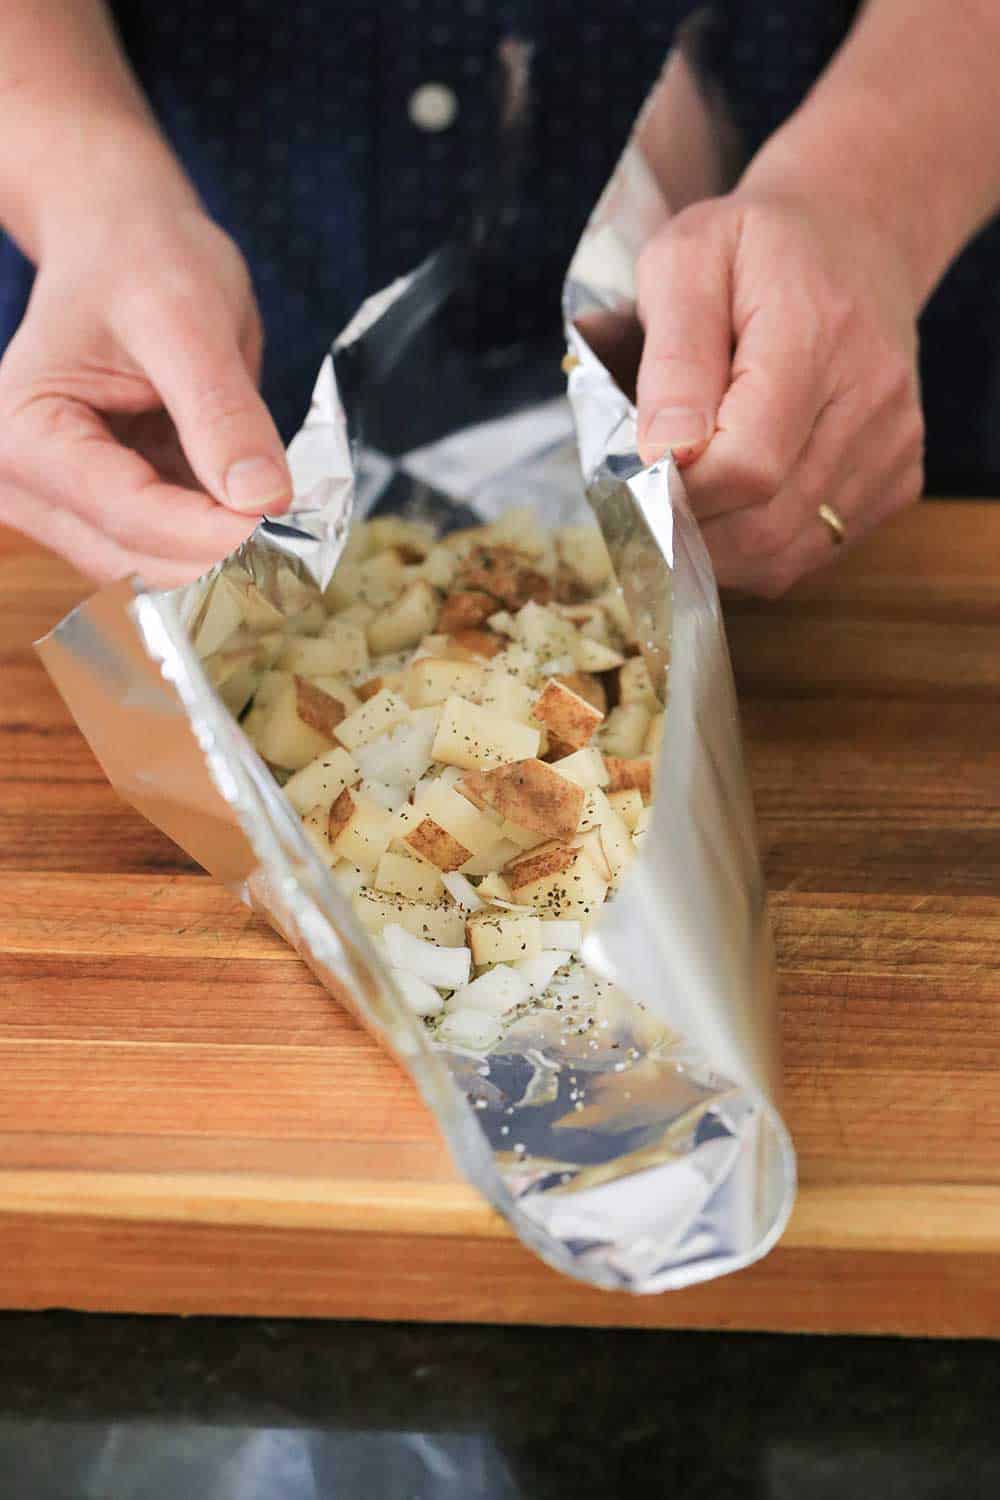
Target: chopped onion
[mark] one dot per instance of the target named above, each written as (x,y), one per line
(473,1029)
(422,998)
(403,754)
(446,968)
(539,972)
(461,889)
(564,934)
(387,794)
(500,988)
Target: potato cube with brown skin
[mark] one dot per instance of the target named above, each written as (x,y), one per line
(433,843)
(430,680)
(588,686)
(561,882)
(485,864)
(493,887)
(567,717)
(338,687)
(282,736)
(518,526)
(475,643)
(358,829)
(627,772)
(466,610)
(475,738)
(439,566)
(530,794)
(402,875)
(372,719)
(497,936)
(505,574)
(406,622)
(318,709)
(624,730)
(479,834)
(628,804)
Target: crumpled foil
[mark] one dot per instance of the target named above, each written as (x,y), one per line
(631,1138)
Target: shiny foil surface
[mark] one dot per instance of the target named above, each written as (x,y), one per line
(630,1134)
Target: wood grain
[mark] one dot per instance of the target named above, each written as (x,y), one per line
(189,1124)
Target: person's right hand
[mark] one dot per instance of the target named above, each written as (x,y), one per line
(132,434)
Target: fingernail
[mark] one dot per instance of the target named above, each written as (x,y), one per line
(254,484)
(681,429)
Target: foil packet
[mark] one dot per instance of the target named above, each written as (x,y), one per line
(631,1136)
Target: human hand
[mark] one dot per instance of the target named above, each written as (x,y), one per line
(780,366)
(132,434)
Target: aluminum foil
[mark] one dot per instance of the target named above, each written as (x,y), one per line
(631,1136)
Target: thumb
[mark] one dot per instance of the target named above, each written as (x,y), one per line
(225,429)
(684,306)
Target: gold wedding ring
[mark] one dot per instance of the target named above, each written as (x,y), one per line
(835,522)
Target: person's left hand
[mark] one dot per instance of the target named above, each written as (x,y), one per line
(779,365)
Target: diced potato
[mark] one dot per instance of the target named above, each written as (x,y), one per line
(542,631)
(594,656)
(403,754)
(593,847)
(357,613)
(583,551)
(586,767)
(636,686)
(416,537)
(524,838)
(385,793)
(439,566)
(406,621)
(505,574)
(479,643)
(270,645)
(431,680)
(503,693)
(341,648)
(458,817)
(402,875)
(568,718)
(476,738)
(485,864)
(442,922)
(344,587)
(503,623)
(461,889)
(642,827)
(370,687)
(596,809)
(518,527)
(654,736)
(625,772)
(561,934)
(321,782)
(358,829)
(531,795)
(628,805)
(466,610)
(372,719)
(616,843)
(494,887)
(349,878)
(500,937)
(433,843)
(283,737)
(308,621)
(381,578)
(561,882)
(588,686)
(338,687)
(318,709)
(624,731)
(499,990)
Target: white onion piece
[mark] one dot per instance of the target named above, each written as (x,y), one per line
(564,934)
(387,794)
(445,968)
(422,998)
(499,989)
(473,1029)
(538,972)
(461,890)
(403,754)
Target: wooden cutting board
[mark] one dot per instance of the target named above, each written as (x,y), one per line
(188,1124)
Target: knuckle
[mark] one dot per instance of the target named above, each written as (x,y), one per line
(761,474)
(763,531)
(776,579)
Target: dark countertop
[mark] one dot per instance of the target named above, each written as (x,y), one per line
(121,1408)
